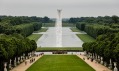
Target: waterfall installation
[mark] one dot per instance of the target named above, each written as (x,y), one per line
(58,26)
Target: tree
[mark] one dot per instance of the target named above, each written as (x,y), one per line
(115,18)
(46,19)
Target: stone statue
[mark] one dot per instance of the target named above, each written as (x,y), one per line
(110,65)
(21,59)
(115,68)
(5,65)
(10,64)
(101,60)
(18,60)
(15,61)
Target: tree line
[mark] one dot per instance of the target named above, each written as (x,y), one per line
(22,25)
(28,29)
(99,19)
(106,46)
(14,46)
(105,31)
(95,30)
(16,20)
(13,33)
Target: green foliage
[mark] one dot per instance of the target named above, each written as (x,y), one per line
(46,19)
(99,19)
(37,26)
(106,45)
(115,18)
(95,30)
(6,28)
(17,20)
(41,30)
(24,29)
(15,45)
(73,20)
(27,29)
(81,26)
(60,63)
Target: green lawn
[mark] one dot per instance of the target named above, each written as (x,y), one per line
(60,63)
(41,30)
(75,29)
(34,36)
(68,25)
(85,38)
(48,24)
(60,48)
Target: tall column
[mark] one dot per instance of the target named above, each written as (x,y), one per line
(10,64)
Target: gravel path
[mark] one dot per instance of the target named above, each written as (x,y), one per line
(96,66)
(23,67)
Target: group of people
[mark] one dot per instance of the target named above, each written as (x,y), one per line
(31,60)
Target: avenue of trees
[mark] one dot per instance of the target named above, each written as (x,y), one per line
(99,19)
(27,29)
(106,32)
(12,46)
(13,33)
(106,46)
(95,30)
(99,25)
(21,24)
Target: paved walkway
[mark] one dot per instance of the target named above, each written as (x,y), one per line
(96,66)
(23,67)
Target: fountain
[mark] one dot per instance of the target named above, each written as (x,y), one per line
(58,26)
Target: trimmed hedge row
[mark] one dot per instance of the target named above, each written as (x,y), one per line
(27,29)
(95,30)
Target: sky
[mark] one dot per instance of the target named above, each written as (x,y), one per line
(70,8)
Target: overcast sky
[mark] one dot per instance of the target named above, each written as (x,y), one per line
(70,8)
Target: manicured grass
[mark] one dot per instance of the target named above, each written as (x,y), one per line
(48,25)
(85,38)
(34,36)
(60,63)
(41,30)
(75,30)
(59,48)
(68,25)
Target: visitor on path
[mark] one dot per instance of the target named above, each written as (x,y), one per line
(34,59)
(25,62)
(83,58)
(30,60)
